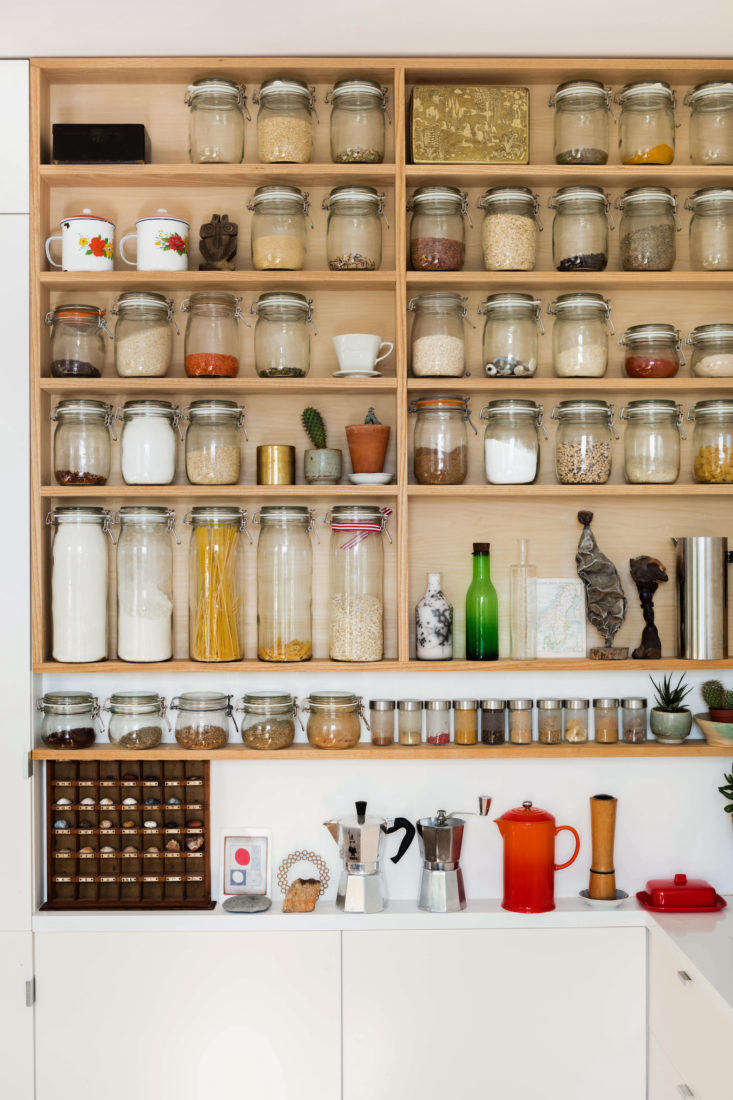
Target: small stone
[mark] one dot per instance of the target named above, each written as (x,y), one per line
(106,802)
(152,851)
(86,851)
(150,823)
(105,823)
(195,824)
(60,823)
(194,843)
(107,848)
(63,853)
(247,903)
(87,802)
(129,777)
(172,846)
(128,824)
(173,802)
(129,802)
(152,802)
(129,851)
(63,801)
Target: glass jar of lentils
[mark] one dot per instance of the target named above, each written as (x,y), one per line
(493,721)
(549,721)
(633,721)
(509,230)
(520,721)
(465,721)
(437,228)
(605,721)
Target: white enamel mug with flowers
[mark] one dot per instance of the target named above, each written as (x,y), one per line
(162,243)
(87,243)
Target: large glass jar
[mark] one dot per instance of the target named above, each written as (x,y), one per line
(284,572)
(646,126)
(211,345)
(512,441)
(652,351)
(712,441)
(213,447)
(356,620)
(437,228)
(148,445)
(81,441)
(281,338)
(712,350)
(511,334)
(145,583)
(203,719)
(357,121)
(354,231)
(711,229)
(268,720)
(215,583)
(648,229)
(711,122)
(216,121)
(143,334)
(284,121)
(581,126)
(438,337)
(334,719)
(69,719)
(580,228)
(137,719)
(440,445)
(652,441)
(79,583)
(580,334)
(509,229)
(77,344)
(583,441)
(278,232)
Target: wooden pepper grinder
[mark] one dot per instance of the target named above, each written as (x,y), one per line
(602,885)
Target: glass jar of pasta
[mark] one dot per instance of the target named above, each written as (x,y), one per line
(511,334)
(509,229)
(213,446)
(284,570)
(216,121)
(652,441)
(437,228)
(215,589)
(356,621)
(438,338)
(580,334)
(711,122)
(279,213)
(358,109)
(581,124)
(354,232)
(712,350)
(440,444)
(712,441)
(580,228)
(646,126)
(282,336)
(711,229)
(284,121)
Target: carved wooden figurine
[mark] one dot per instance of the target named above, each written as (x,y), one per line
(218,243)
(647,574)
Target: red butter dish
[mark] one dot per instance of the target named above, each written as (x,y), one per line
(680,895)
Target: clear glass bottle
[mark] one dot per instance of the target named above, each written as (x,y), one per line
(522,606)
(482,609)
(437,228)
(583,447)
(278,232)
(215,590)
(580,334)
(575,718)
(512,440)
(509,229)
(82,450)
(148,442)
(203,719)
(633,721)
(284,572)
(511,334)
(648,229)
(433,623)
(211,344)
(282,337)
(268,720)
(712,441)
(652,350)
(382,721)
(79,580)
(712,350)
(580,228)
(465,722)
(711,122)
(493,721)
(358,109)
(354,228)
(549,721)
(356,621)
(76,341)
(334,719)
(438,339)
(437,721)
(581,124)
(520,721)
(605,721)
(69,719)
(440,443)
(284,121)
(143,334)
(137,719)
(711,229)
(409,721)
(646,126)
(216,121)
(652,441)
(145,583)
(213,445)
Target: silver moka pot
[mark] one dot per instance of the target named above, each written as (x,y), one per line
(361,886)
(702,597)
(440,838)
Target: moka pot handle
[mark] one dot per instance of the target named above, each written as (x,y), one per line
(397,824)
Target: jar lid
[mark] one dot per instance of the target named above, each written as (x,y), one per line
(575,704)
(285,513)
(259,702)
(508,194)
(135,702)
(447,299)
(82,406)
(287,299)
(519,704)
(578,192)
(214,407)
(653,330)
(649,406)
(549,704)
(134,408)
(709,90)
(67,702)
(579,88)
(353,194)
(215,85)
(78,513)
(381,704)
(73,314)
(278,192)
(145,513)
(355,513)
(210,298)
(454,401)
(332,699)
(718,330)
(605,703)
(511,405)
(646,194)
(509,300)
(720,406)
(438,193)
(201,701)
(283,86)
(465,704)
(709,196)
(437,704)
(357,86)
(579,299)
(217,513)
(583,405)
(493,704)
(142,299)
(410,704)
(633,703)
(640,88)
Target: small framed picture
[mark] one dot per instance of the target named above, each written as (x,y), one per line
(561,619)
(246,862)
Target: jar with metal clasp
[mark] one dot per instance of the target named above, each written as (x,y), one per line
(216,122)
(143,334)
(284,583)
(215,583)
(437,338)
(712,350)
(512,440)
(269,719)
(711,122)
(354,230)
(70,719)
(282,338)
(356,620)
(580,228)
(145,583)
(653,350)
(511,334)
(652,441)
(137,719)
(211,343)
(203,719)
(581,123)
(82,449)
(646,126)
(711,229)
(150,430)
(79,583)
(77,344)
(437,228)
(509,229)
(580,334)
(358,110)
(285,121)
(712,441)
(440,444)
(583,444)
(279,214)
(334,719)
(213,445)
(648,229)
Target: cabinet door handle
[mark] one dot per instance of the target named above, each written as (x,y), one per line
(685,978)
(685,1090)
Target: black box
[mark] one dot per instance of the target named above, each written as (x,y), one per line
(100,143)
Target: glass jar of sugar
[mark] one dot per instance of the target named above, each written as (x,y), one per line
(148,444)
(712,350)
(438,337)
(512,440)
(580,334)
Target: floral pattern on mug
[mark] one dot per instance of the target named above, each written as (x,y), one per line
(172,242)
(97,246)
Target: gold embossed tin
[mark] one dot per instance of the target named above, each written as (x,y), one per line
(469,124)
(275,464)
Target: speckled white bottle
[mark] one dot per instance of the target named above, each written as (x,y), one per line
(433,624)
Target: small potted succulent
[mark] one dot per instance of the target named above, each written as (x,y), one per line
(368,444)
(321,464)
(719,701)
(670,721)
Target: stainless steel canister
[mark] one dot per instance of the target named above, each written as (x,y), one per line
(702,597)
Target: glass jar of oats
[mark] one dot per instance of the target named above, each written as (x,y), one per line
(143,334)
(284,121)
(509,229)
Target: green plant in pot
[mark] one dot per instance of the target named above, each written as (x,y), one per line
(321,464)
(727,791)
(670,721)
(368,444)
(719,701)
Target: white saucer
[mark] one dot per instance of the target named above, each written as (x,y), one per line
(608,903)
(371,479)
(356,374)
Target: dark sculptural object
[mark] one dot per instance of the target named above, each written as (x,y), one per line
(218,243)
(605,602)
(647,574)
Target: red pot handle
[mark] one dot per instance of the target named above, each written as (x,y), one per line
(574,856)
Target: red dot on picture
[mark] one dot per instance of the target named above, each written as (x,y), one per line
(242,857)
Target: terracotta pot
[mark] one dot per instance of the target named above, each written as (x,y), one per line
(367,447)
(720,714)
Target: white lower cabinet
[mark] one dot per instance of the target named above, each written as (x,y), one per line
(16,1016)
(665,1082)
(188,1015)
(476,1014)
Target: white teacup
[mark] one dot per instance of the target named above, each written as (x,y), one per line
(359,352)
(162,243)
(87,243)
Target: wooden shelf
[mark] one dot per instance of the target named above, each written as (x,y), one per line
(214,492)
(557,175)
(559,281)
(213,175)
(586,492)
(515,387)
(219,280)
(211,387)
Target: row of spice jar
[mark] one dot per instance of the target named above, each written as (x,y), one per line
(583,443)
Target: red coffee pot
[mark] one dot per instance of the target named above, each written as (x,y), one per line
(529,858)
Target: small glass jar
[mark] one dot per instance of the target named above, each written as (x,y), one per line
(711,122)
(354,229)
(284,121)
(79,583)
(711,229)
(648,229)
(69,719)
(605,721)
(213,446)
(148,442)
(512,441)
(82,450)
(358,109)
(652,441)
(646,126)
(215,589)
(712,350)
(549,721)
(143,334)
(509,229)
(333,719)
(216,121)
(211,344)
(438,337)
(633,721)
(281,337)
(77,342)
(284,571)
(137,719)
(465,721)
(145,583)
(511,334)
(437,228)
(652,350)
(575,720)
(278,233)
(580,334)
(381,721)
(581,126)
(409,721)
(437,721)
(712,441)
(203,719)
(356,621)
(580,228)
(440,444)
(583,445)
(493,721)
(520,721)
(268,720)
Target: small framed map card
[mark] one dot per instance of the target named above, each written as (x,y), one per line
(561,622)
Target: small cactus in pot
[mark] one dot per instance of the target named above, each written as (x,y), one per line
(368,444)
(322,465)
(719,701)
(670,721)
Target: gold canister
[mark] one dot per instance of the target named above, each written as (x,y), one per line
(275,464)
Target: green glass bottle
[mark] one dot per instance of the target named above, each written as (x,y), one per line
(482,609)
